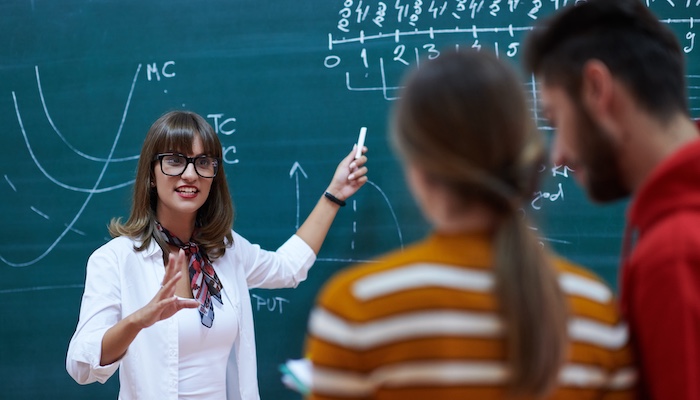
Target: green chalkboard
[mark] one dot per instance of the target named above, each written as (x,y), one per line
(287,85)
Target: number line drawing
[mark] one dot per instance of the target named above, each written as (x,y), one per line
(384,88)
(359,38)
(429,32)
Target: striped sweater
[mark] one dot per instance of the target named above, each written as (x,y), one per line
(423,324)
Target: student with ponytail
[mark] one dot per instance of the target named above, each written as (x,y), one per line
(479,309)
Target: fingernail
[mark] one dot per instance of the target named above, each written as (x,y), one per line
(351,176)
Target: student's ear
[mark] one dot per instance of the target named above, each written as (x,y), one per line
(422,188)
(599,95)
(417,180)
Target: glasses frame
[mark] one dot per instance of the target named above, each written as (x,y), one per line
(188,160)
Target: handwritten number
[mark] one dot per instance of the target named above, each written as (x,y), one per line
(398,54)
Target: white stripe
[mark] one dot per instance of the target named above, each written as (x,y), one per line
(592,332)
(426,275)
(448,372)
(421,275)
(458,373)
(578,285)
(409,374)
(578,375)
(362,336)
(586,376)
(339,382)
(623,379)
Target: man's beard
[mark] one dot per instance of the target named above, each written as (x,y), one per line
(604,181)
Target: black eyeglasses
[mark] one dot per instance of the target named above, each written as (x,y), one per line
(174,164)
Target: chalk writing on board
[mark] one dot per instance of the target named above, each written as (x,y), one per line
(154,72)
(540,195)
(224,125)
(374,42)
(273,304)
(297,171)
(390,208)
(380,40)
(558,171)
(91,191)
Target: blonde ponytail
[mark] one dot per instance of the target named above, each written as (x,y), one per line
(532,305)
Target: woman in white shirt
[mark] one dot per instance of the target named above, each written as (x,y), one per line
(166,301)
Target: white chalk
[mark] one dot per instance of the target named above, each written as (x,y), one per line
(360,142)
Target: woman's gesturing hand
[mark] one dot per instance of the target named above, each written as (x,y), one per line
(165,304)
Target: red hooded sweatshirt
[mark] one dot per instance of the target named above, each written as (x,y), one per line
(660,288)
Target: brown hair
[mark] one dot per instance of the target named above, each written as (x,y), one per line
(175,131)
(463,119)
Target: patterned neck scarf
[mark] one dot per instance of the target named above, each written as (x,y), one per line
(204,282)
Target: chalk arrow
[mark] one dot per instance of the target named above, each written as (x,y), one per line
(296,169)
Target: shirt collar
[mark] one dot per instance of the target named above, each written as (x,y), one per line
(150,251)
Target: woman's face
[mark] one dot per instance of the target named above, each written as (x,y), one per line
(179,197)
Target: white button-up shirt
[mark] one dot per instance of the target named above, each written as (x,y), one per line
(120,280)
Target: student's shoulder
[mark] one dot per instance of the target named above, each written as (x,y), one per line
(567,267)
(589,294)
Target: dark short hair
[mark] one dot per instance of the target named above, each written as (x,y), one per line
(636,47)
